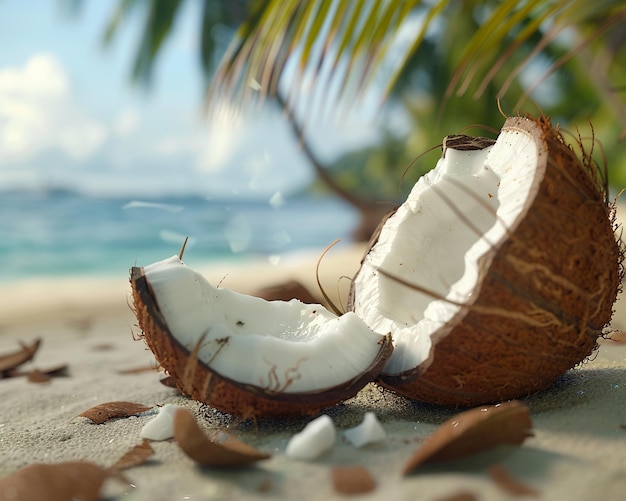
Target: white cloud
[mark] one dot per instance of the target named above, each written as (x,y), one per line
(174,145)
(41,77)
(37,113)
(126,123)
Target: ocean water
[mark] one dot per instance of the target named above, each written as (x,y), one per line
(59,233)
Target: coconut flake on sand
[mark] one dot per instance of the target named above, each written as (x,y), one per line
(317,437)
(161,427)
(369,431)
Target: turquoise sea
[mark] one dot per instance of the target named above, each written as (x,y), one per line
(57,232)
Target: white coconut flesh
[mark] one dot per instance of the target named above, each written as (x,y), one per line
(280,346)
(442,239)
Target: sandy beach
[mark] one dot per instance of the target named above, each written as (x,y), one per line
(578,451)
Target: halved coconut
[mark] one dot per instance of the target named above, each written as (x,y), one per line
(497,274)
(251,357)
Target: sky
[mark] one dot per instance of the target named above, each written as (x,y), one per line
(70,115)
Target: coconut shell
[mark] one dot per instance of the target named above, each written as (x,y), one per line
(545,293)
(196,379)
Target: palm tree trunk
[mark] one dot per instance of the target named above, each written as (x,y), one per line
(370,211)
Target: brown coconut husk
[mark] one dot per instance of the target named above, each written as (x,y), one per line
(200,382)
(545,294)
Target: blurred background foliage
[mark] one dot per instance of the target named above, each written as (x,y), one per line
(443,65)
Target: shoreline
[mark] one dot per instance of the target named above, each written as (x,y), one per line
(42,299)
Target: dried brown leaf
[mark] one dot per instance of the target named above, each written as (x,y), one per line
(37,376)
(218,449)
(136,456)
(137,370)
(103,347)
(56,482)
(15,359)
(460,496)
(45,375)
(352,480)
(617,337)
(111,410)
(474,431)
(59,370)
(507,482)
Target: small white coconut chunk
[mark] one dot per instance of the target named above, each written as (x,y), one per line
(161,427)
(316,437)
(369,431)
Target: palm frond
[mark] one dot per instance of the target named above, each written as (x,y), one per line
(159,17)
(343,39)
(159,20)
(158,26)
(415,45)
(490,37)
(347,45)
(598,32)
(218,13)
(122,11)
(492,45)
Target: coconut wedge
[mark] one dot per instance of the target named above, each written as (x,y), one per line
(498,273)
(247,356)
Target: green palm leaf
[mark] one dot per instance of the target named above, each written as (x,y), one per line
(319,34)
(338,49)
(349,42)
(158,26)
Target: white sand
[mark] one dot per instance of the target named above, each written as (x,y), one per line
(578,452)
